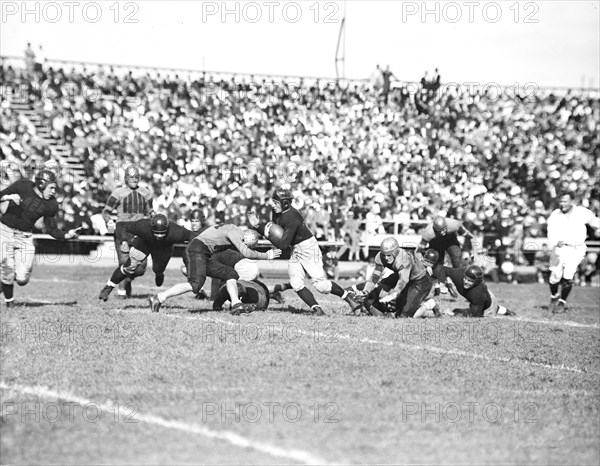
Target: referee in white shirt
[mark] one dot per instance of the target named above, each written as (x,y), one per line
(567,234)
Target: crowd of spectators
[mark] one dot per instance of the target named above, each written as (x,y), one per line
(360,150)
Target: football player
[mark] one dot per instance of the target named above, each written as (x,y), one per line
(442,235)
(28,201)
(254,294)
(566,234)
(470,285)
(197,221)
(306,257)
(405,289)
(200,262)
(155,237)
(127,203)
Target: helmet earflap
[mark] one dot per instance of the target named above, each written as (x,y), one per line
(284,197)
(43,178)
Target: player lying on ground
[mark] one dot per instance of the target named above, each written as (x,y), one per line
(566,234)
(405,289)
(469,283)
(151,237)
(254,294)
(28,202)
(287,229)
(127,203)
(200,262)
(247,269)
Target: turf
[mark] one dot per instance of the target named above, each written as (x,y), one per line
(286,387)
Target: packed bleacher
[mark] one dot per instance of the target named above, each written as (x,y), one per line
(346,148)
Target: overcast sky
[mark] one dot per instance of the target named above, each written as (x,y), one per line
(552,43)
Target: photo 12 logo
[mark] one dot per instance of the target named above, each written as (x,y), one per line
(68,411)
(70,12)
(271,12)
(470,12)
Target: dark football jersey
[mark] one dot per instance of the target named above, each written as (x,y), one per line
(478,296)
(294,229)
(32,207)
(144,241)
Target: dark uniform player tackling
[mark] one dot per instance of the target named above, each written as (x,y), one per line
(442,235)
(154,237)
(469,284)
(131,202)
(28,202)
(306,256)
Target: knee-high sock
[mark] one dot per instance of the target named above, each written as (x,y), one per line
(306,296)
(282,287)
(567,286)
(118,276)
(554,289)
(8,291)
(338,290)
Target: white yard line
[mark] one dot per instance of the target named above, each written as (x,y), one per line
(432,349)
(196,429)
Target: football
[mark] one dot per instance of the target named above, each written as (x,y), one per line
(275,233)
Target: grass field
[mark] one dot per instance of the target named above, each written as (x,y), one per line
(112,383)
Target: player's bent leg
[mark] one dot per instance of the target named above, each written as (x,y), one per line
(24,258)
(175,290)
(455,254)
(429,308)
(417,292)
(247,270)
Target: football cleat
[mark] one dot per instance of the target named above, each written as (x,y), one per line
(509,313)
(354,306)
(107,290)
(277,297)
(202,295)
(553,303)
(241,308)
(154,303)
(128,291)
(560,307)
(159,279)
(318,311)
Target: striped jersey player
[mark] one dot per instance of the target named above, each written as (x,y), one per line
(128,203)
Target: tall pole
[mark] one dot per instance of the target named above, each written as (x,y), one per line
(341,37)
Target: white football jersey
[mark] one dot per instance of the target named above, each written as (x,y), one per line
(570,228)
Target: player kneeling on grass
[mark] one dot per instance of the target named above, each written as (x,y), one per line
(470,285)
(287,229)
(155,237)
(406,288)
(200,262)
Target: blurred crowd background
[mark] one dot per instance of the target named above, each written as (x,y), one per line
(356,154)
